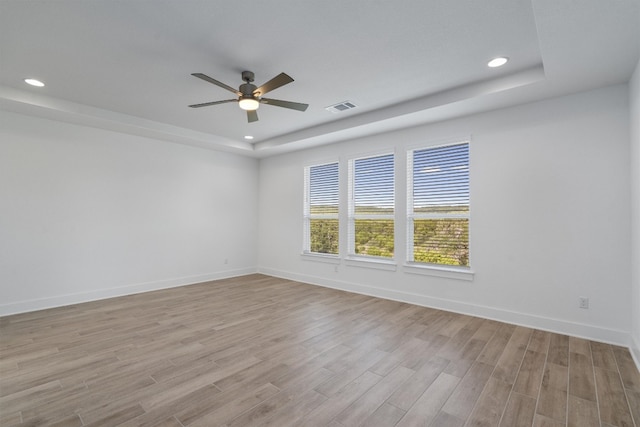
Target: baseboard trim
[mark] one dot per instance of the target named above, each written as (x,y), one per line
(634,349)
(77,298)
(580,330)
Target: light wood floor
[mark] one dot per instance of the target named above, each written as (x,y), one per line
(257,350)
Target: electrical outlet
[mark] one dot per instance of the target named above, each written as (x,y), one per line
(583,302)
(335,268)
(226,260)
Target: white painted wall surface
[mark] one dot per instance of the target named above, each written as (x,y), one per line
(550,217)
(634,114)
(87,214)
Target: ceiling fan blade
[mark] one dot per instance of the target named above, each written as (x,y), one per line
(217,83)
(252,116)
(286,104)
(279,80)
(206,104)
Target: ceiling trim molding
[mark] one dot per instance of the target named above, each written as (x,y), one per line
(420,109)
(24,102)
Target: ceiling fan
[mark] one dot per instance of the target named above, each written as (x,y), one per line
(250,96)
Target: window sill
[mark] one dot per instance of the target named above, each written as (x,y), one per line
(329,259)
(438,271)
(378,264)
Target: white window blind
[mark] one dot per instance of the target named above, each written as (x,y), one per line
(371,206)
(438,205)
(321,208)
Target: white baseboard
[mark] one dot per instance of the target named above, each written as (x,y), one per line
(634,348)
(62,300)
(591,332)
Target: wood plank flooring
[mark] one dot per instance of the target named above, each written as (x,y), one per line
(262,351)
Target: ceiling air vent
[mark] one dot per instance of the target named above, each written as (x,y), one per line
(341,106)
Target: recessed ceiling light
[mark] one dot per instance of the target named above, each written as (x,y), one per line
(248,137)
(498,62)
(34,82)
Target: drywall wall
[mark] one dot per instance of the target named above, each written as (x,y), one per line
(550,217)
(634,114)
(88,214)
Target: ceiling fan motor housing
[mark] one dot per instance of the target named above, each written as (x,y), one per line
(247,89)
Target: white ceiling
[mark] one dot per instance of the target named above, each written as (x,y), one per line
(125,65)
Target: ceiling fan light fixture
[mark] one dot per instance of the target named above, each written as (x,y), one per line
(249,104)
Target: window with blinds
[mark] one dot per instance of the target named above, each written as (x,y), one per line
(321,207)
(371,206)
(438,205)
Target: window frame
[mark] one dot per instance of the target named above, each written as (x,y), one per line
(433,269)
(308,216)
(363,260)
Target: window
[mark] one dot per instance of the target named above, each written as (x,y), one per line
(438,205)
(321,209)
(371,206)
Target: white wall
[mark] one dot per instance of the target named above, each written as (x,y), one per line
(550,217)
(87,214)
(634,97)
